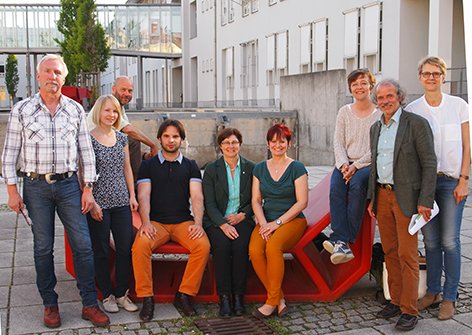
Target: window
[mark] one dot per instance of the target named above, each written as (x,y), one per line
(254,6)
(224,12)
(230,11)
(193,19)
(351,39)
(229,68)
(282,49)
(371,37)
(246,7)
(305,48)
(320,45)
(272,2)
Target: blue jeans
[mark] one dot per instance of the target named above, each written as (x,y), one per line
(442,240)
(347,204)
(42,200)
(120,222)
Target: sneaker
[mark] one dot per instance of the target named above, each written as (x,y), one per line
(328,245)
(109,304)
(341,253)
(126,303)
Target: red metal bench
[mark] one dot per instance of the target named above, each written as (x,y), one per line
(309,274)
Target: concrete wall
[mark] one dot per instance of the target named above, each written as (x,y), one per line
(317,98)
(202,128)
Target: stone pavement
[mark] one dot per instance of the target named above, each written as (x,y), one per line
(21,310)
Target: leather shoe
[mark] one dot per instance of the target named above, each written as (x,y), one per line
(406,322)
(389,311)
(147,312)
(51,319)
(446,310)
(225,305)
(239,308)
(95,315)
(430,300)
(182,302)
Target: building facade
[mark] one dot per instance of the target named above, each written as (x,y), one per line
(235,51)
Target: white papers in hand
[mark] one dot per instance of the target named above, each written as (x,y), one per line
(417,220)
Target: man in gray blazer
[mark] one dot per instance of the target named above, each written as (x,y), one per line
(402,183)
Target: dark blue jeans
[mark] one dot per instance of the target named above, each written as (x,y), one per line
(120,222)
(347,204)
(42,201)
(231,257)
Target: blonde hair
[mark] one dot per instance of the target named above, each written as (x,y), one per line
(436,61)
(98,106)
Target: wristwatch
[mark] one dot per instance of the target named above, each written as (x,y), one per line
(278,222)
(88,185)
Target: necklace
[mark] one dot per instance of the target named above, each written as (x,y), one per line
(280,167)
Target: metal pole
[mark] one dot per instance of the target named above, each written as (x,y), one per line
(28,64)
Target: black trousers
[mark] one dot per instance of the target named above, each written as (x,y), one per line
(119,221)
(231,257)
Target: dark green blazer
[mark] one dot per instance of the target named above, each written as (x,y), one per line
(414,163)
(215,191)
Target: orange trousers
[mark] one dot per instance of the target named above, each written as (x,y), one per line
(197,261)
(267,257)
(401,252)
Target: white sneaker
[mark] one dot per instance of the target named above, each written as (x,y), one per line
(109,304)
(341,253)
(328,245)
(126,303)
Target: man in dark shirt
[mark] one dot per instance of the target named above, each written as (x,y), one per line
(165,184)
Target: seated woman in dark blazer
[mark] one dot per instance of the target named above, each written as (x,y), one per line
(228,222)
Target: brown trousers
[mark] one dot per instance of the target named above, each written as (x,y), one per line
(197,261)
(267,257)
(401,252)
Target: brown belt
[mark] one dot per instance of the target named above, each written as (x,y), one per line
(50,178)
(388,187)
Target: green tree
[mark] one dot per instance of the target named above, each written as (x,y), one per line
(11,76)
(84,46)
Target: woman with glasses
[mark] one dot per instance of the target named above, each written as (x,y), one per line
(279,195)
(348,190)
(449,120)
(228,219)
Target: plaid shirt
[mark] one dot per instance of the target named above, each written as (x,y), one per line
(38,142)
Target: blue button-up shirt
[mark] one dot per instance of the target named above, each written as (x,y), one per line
(233,189)
(386,147)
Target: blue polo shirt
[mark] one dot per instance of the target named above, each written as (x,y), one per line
(170,187)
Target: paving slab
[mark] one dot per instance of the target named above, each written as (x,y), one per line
(465,319)
(430,327)
(3,321)
(6,259)
(27,320)
(4,291)
(7,233)
(6,245)
(24,258)
(24,244)
(363,331)
(28,295)
(5,276)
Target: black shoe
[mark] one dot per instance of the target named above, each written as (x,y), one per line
(406,322)
(389,311)
(147,312)
(182,302)
(238,301)
(225,305)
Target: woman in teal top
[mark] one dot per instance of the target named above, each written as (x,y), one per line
(279,195)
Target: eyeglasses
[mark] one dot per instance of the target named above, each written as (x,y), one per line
(28,220)
(427,75)
(228,143)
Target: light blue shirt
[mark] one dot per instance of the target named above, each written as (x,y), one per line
(386,147)
(233,189)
